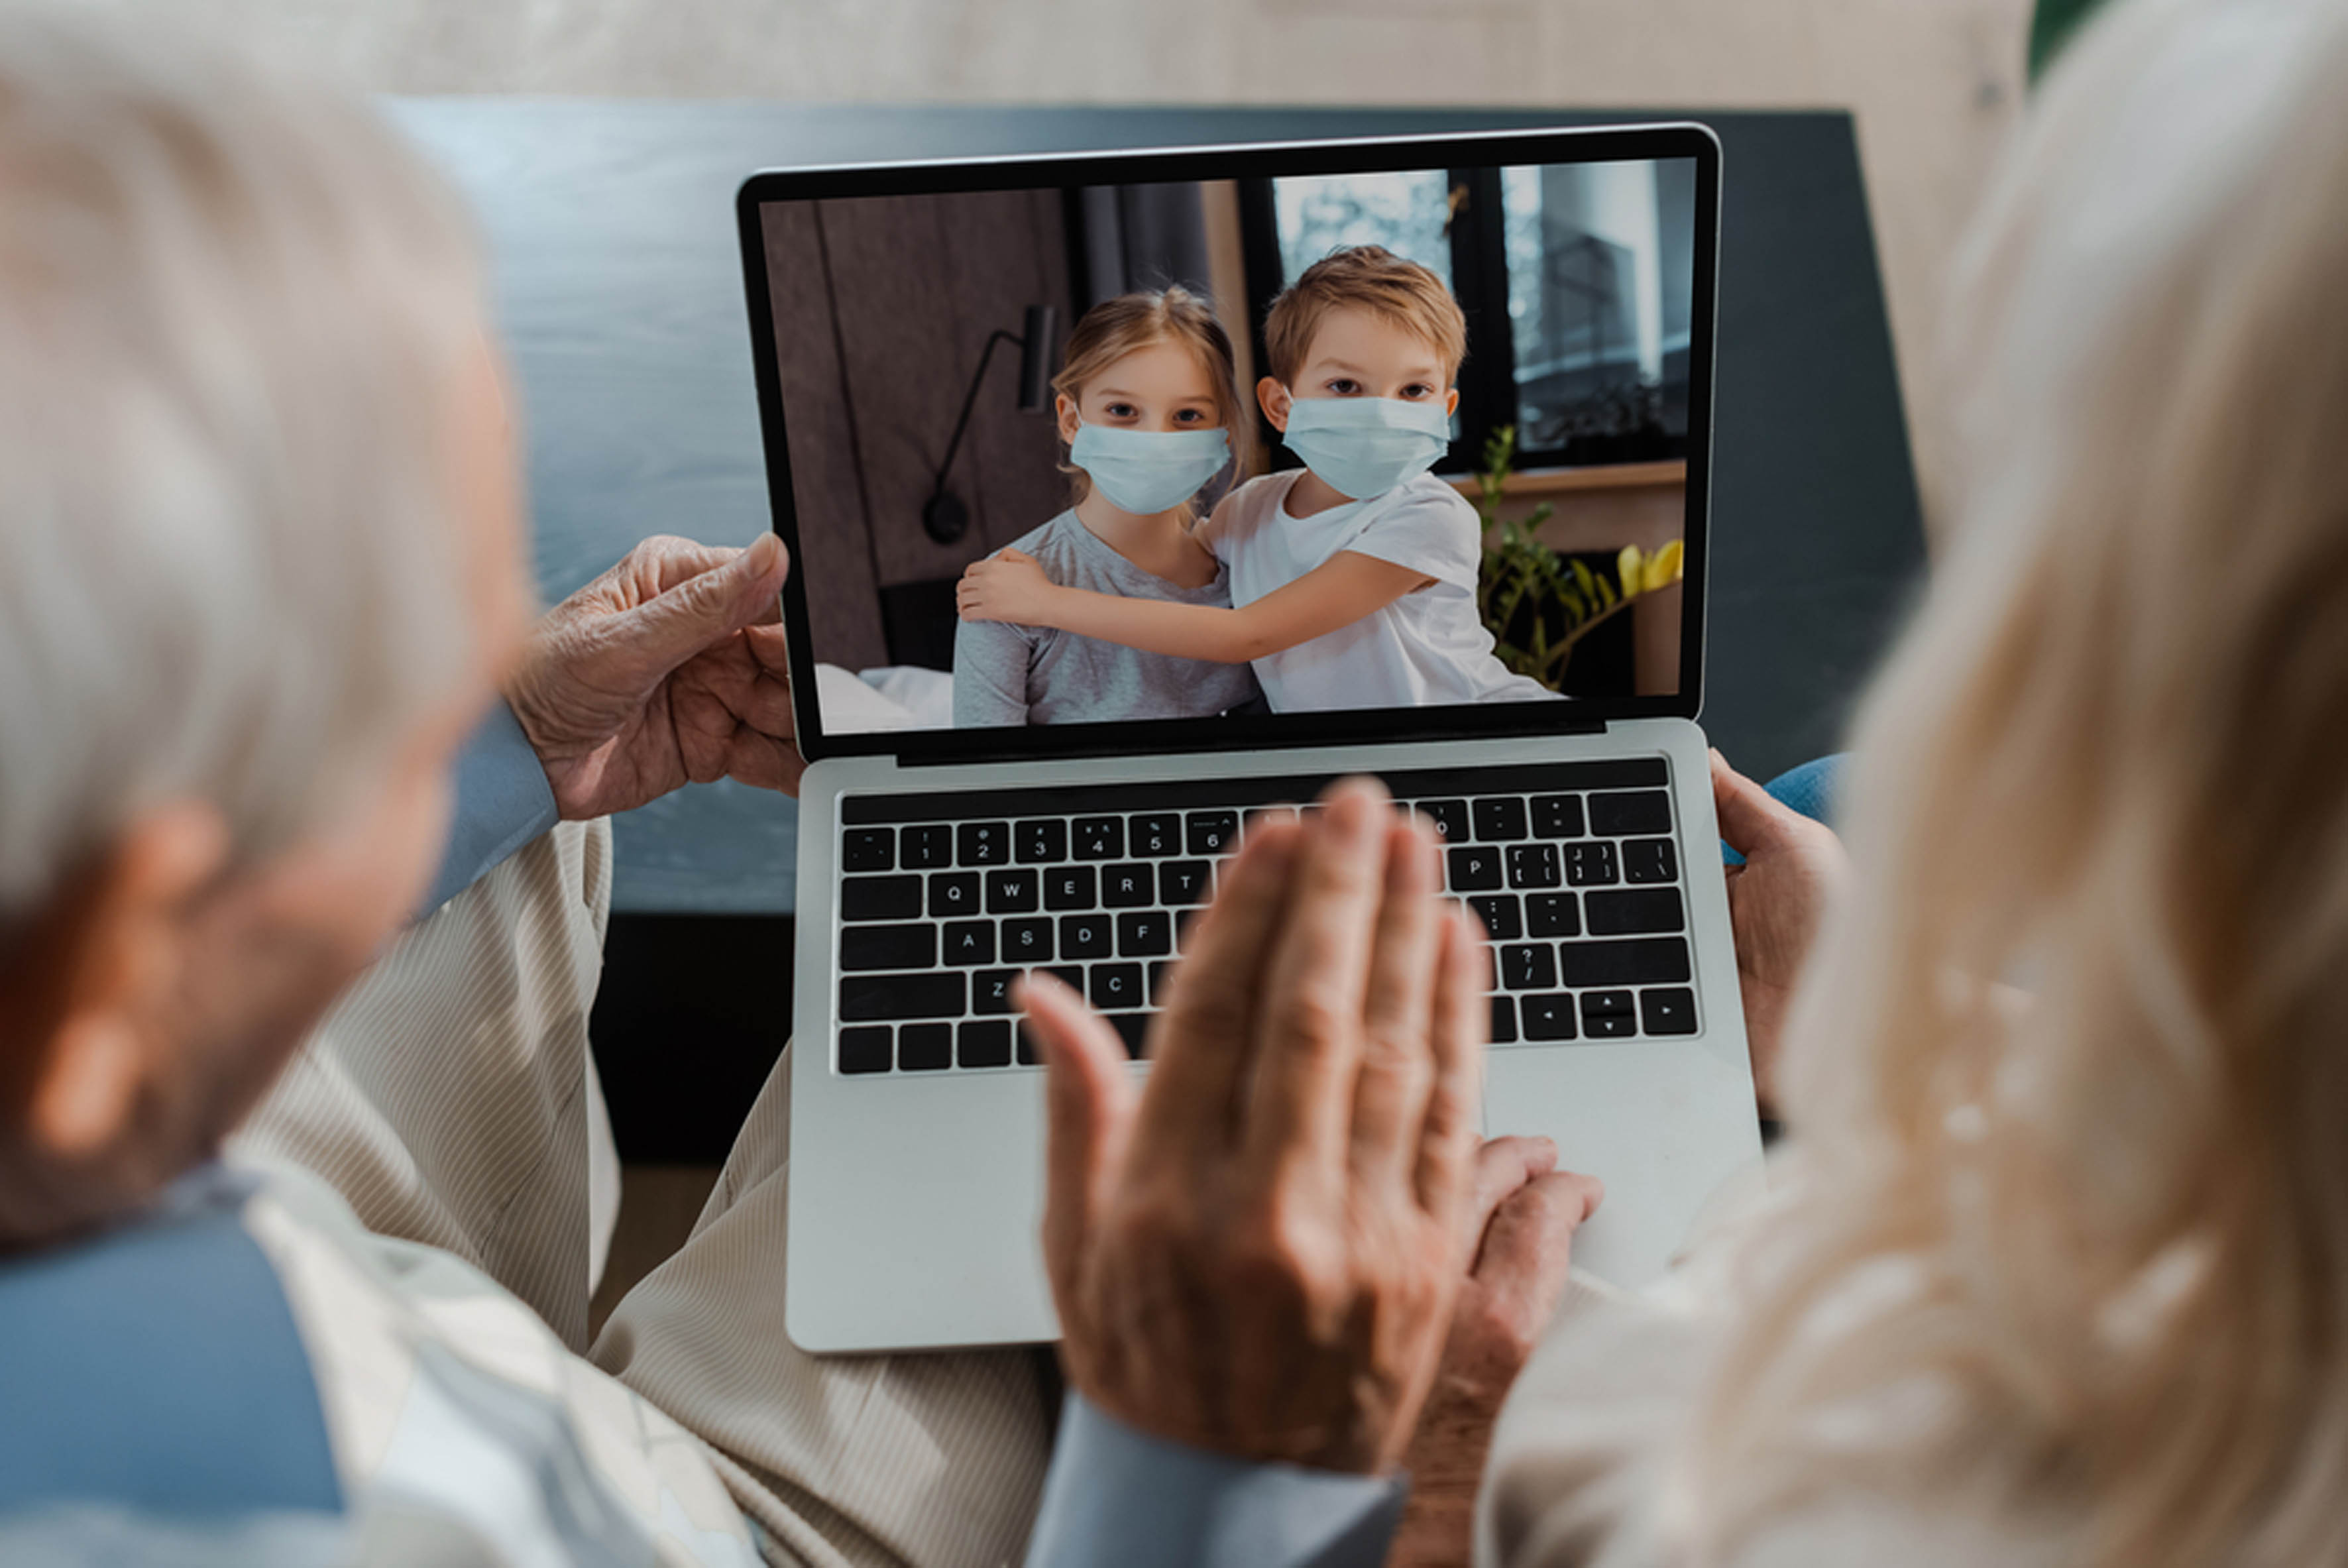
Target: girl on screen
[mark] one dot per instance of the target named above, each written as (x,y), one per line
(1149,412)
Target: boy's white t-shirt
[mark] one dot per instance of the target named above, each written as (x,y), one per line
(1427,647)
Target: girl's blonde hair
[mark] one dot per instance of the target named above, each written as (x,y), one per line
(2079,1249)
(1132,322)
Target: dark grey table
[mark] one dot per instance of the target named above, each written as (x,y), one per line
(619,287)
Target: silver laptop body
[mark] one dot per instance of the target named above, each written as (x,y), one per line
(936,862)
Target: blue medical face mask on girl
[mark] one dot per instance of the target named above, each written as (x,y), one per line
(1363,446)
(1149,471)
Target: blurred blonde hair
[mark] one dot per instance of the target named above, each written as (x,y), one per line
(1132,322)
(2088,1256)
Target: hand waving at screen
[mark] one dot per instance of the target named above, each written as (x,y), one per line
(1008,585)
(1278,1247)
(1262,1255)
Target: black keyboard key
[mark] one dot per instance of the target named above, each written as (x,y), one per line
(1498,818)
(1084,936)
(1157,834)
(1607,1016)
(1030,1052)
(924,1048)
(1640,961)
(1183,883)
(1551,914)
(1502,913)
(1071,887)
(1041,842)
(1621,814)
(1504,1020)
(1211,833)
(1557,817)
(1099,837)
(983,843)
(990,992)
(926,847)
(866,997)
(1475,868)
(1548,1016)
(1160,974)
(1133,1028)
(1011,892)
(954,892)
(1650,860)
(984,1043)
(1115,987)
(888,946)
(868,849)
(969,942)
(1528,966)
(1668,1012)
(866,1050)
(1449,817)
(1145,934)
(1533,865)
(1633,911)
(1589,864)
(1072,976)
(1129,886)
(880,898)
(1027,942)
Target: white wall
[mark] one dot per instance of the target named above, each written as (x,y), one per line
(1935,83)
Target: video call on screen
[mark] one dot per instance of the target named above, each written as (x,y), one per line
(1535,558)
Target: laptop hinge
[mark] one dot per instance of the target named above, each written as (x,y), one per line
(1259,743)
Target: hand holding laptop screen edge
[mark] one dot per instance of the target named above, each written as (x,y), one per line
(940,862)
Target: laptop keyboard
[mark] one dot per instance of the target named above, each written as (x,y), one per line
(946,898)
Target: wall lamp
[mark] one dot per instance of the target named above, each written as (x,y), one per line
(944,516)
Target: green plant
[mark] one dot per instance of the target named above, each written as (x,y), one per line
(1535,603)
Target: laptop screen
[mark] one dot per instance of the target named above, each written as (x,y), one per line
(1244,446)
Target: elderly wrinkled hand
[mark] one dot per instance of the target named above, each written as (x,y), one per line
(1260,1252)
(1793,869)
(669,668)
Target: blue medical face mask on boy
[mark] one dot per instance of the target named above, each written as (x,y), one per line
(1148,471)
(1363,446)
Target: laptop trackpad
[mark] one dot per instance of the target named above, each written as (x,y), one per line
(1665,1125)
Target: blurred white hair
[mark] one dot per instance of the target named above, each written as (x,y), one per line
(234,308)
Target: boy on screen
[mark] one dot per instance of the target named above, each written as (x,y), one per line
(1353,579)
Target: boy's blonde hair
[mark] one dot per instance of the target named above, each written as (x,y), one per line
(1375,278)
(1132,322)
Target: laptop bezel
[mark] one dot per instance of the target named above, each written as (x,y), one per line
(1263,160)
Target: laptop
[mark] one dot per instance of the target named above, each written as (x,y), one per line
(907,323)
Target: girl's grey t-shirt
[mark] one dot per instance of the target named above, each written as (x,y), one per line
(1006,675)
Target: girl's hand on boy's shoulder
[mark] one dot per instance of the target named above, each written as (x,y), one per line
(1008,585)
